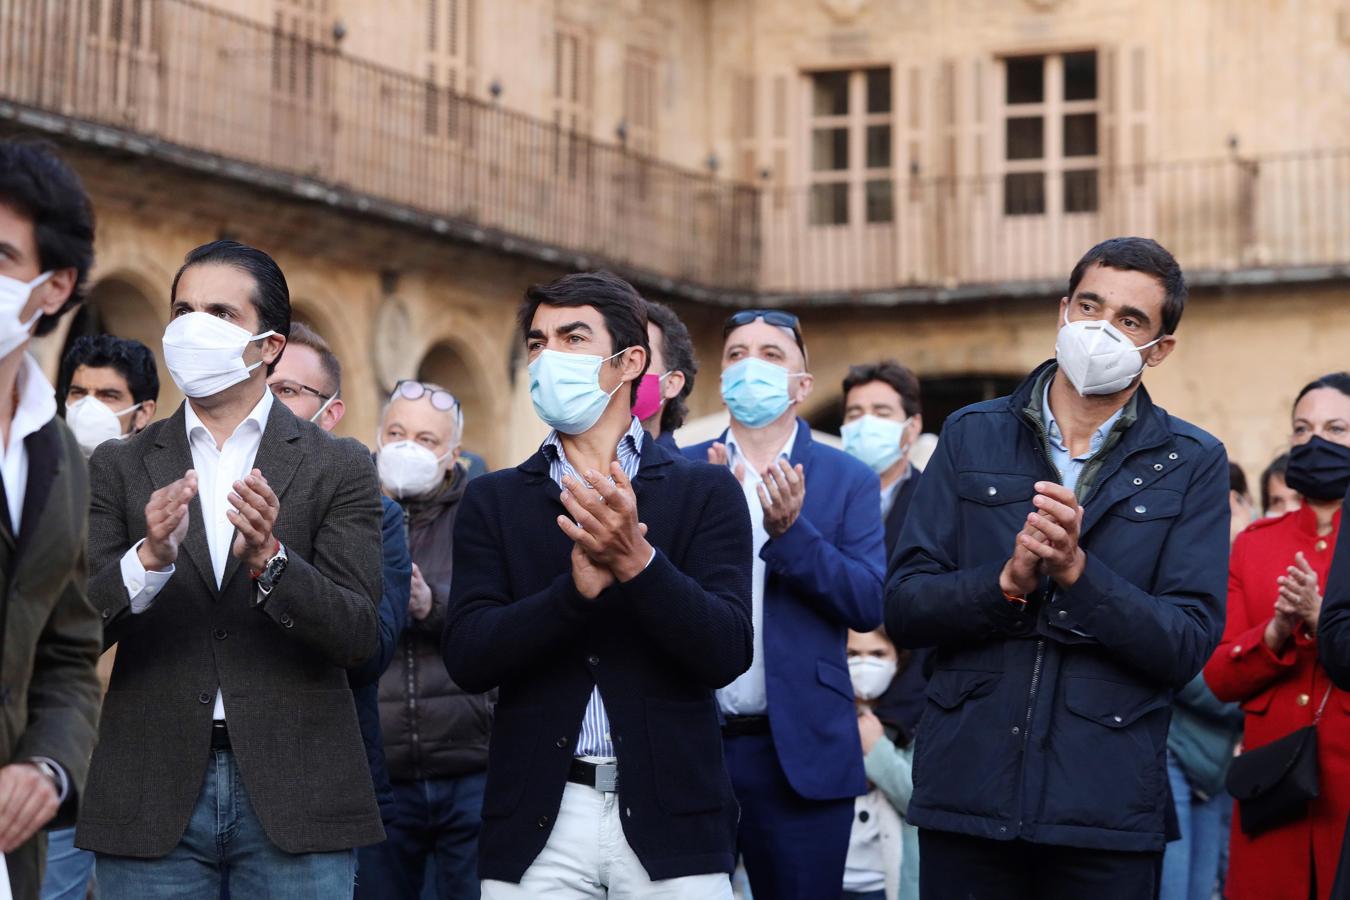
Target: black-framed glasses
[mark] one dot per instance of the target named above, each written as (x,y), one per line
(779,317)
(439,398)
(288,390)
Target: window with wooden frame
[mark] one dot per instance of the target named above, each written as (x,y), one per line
(573,91)
(640,99)
(1051,152)
(850,160)
(300,29)
(450,60)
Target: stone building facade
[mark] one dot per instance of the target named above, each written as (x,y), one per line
(914,177)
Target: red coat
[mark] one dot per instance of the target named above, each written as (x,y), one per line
(1280,694)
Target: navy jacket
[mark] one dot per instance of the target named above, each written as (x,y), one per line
(1050,723)
(658,646)
(823,577)
(364,679)
(903,702)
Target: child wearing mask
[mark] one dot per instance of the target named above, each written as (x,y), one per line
(883,850)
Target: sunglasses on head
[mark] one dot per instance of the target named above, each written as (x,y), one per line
(777,317)
(440,399)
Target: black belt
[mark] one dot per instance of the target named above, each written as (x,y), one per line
(742,726)
(603,777)
(220,736)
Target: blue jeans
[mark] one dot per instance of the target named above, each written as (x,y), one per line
(224,835)
(436,820)
(68,869)
(1191,865)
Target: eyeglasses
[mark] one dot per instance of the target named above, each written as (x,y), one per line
(289,390)
(440,399)
(778,317)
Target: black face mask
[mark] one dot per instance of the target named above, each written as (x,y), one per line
(1319,469)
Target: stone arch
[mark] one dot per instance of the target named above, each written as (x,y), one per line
(122,304)
(445,363)
(361,407)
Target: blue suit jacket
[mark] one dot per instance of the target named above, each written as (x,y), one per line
(365,678)
(823,577)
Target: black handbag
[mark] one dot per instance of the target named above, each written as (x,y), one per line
(1273,784)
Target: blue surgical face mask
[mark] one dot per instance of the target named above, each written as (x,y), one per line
(756,392)
(565,388)
(875,441)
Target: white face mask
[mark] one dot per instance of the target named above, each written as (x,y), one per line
(407,469)
(1096,357)
(205,354)
(870,676)
(875,441)
(14,296)
(93,422)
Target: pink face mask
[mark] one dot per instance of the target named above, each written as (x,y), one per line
(648,396)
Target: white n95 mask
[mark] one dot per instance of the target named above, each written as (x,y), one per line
(205,354)
(870,676)
(1096,357)
(93,422)
(407,469)
(14,296)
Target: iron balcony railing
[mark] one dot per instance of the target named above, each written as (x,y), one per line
(198,78)
(1275,212)
(186,76)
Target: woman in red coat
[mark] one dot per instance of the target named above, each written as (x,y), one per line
(1267,660)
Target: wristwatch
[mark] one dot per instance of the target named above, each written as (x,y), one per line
(271,573)
(50,771)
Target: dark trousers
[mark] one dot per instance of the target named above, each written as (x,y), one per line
(438,820)
(794,848)
(960,867)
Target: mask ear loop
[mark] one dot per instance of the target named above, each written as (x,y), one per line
(610,395)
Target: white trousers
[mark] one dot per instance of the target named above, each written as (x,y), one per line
(587,857)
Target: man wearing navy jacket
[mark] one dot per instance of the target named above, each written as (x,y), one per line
(604,587)
(1068,561)
(791,729)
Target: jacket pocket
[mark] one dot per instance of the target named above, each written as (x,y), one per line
(1106,762)
(952,687)
(337,773)
(1149,505)
(687,763)
(962,731)
(995,488)
(1259,704)
(511,758)
(830,675)
(112,793)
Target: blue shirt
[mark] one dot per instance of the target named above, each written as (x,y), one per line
(1071,467)
(593,739)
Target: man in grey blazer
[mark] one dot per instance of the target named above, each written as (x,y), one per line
(234,553)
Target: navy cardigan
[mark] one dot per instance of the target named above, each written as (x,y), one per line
(658,646)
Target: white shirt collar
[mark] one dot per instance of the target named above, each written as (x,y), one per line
(734,451)
(258,415)
(37,402)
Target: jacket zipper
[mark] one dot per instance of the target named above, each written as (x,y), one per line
(1039,662)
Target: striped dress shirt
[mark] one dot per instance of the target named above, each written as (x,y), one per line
(593,739)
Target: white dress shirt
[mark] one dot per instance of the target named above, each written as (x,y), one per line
(218,468)
(747,695)
(36,407)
